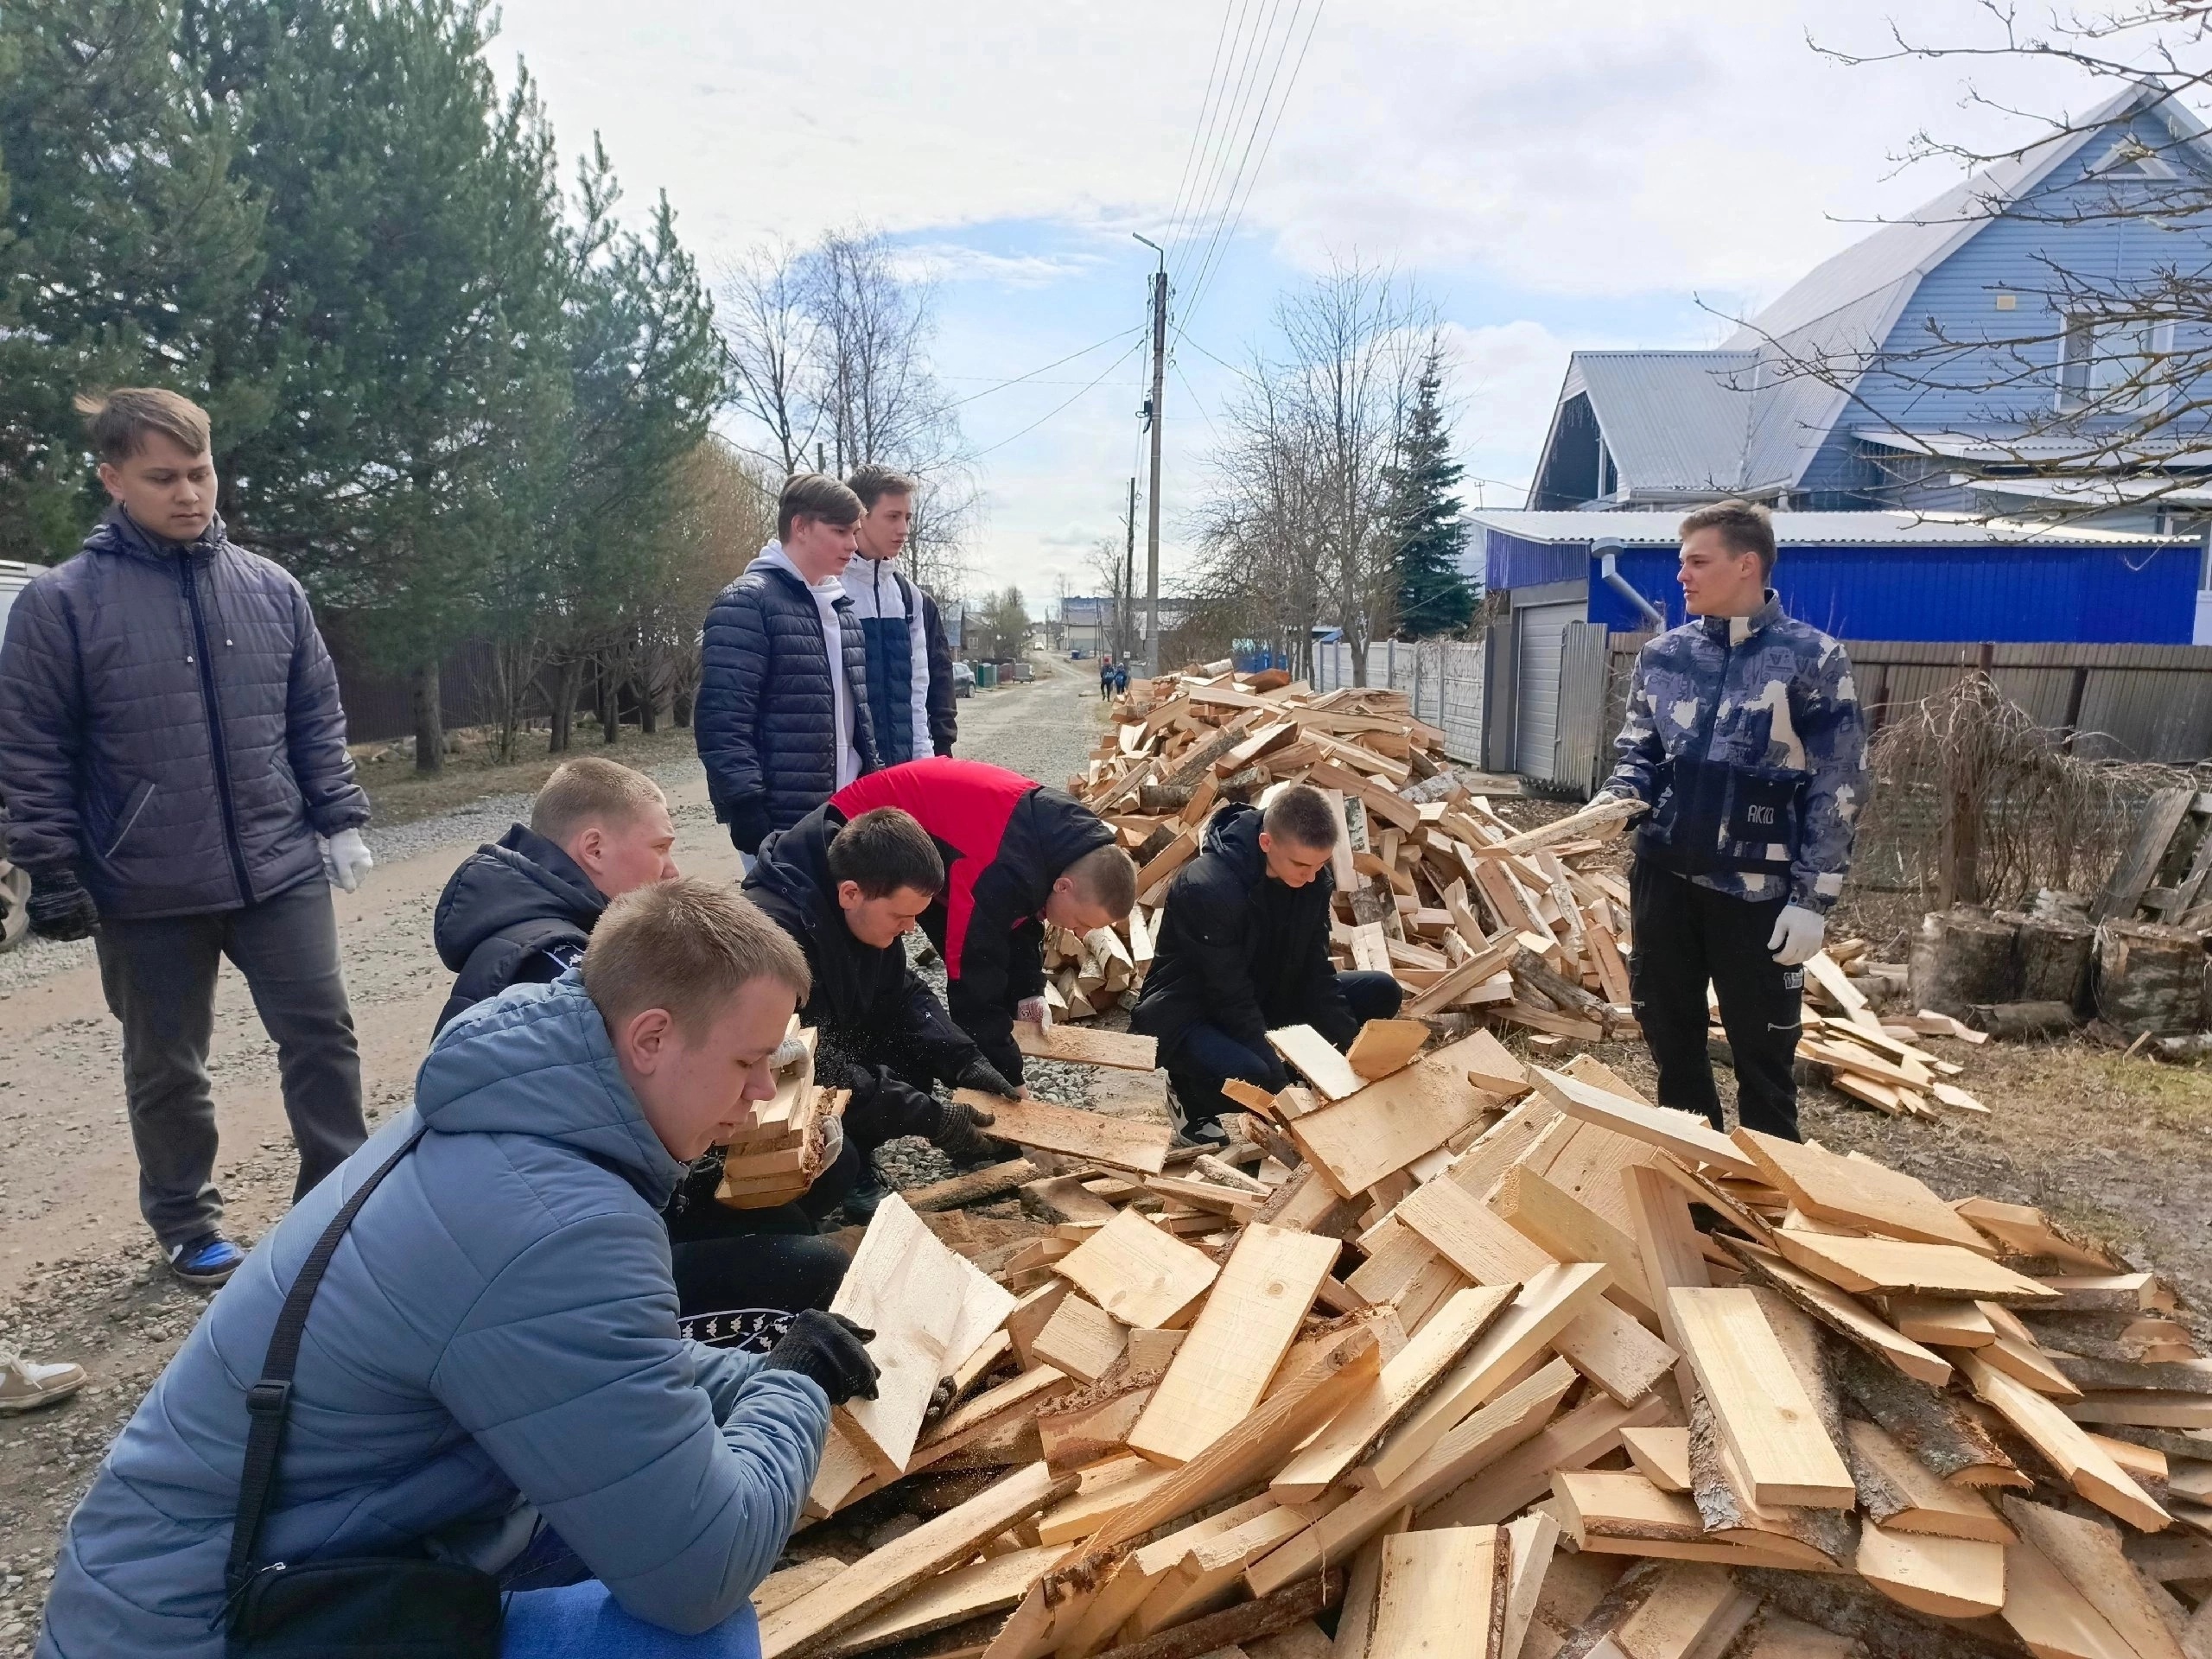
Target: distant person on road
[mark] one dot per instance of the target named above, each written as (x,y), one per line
(173,756)
(1106,676)
(1121,679)
(1744,738)
(1243,948)
(782,715)
(909,690)
(490,1374)
(1017,855)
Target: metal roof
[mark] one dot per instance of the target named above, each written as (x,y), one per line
(1820,530)
(1672,420)
(2171,452)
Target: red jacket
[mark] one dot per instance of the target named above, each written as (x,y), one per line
(1006,839)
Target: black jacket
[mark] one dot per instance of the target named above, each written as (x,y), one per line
(767,710)
(1239,950)
(517,911)
(944,707)
(868,1003)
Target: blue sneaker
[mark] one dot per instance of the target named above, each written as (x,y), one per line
(207,1262)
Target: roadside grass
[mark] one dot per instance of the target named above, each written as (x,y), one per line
(398,794)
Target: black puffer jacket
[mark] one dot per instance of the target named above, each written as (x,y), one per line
(517,911)
(857,988)
(1240,950)
(767,713)
(169,726)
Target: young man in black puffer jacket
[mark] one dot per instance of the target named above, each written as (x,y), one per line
(1243,949)
(782,715)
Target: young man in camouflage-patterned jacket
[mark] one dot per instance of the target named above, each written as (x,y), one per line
(1744,738)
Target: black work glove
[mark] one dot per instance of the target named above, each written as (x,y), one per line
(959,1135)
(830,1348)
(980,1074)
(59,907)
(748,823)
(886,1109)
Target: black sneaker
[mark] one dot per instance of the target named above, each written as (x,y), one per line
(1203,1132)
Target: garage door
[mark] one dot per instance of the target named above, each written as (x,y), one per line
(1538,632)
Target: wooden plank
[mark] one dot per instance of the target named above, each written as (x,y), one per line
(1768,1422)
(1208,1637)
(1619,1512)
(1947,1577)
(1152,879)
(1406,1379)
(1317,1060)
(2050,1615)
(1898,1490)
(1533,1539)
(1087,1046)
(1615,1352)
(1020,1395)
(1442,1594)
(879,1578)
(1123,1142)
(1464,977)
(1550,1300)
(1684,1134)
(1478,1242)
(950,1598)
(1859,1192)
(924,1303)
(1250,1317)
(1593,1430)
(1568,1230)
(1383,1046)
(1664,1455)
(2090,1558)
(1386,1125)
(2027,1231)
(1080,1339)
(2089,1469)
(1843,1314)
(1137,1273)
(1943,1320)
(1197,1583)
(1889,1266)
(1491,1066)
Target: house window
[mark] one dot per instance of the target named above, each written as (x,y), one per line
(2131,158)
(2111,367)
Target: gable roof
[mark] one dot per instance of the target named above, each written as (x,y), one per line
(1738,418)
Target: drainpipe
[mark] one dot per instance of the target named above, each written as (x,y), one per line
(1608,548)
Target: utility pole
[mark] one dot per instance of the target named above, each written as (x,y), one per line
(1152,504)
(1129,580)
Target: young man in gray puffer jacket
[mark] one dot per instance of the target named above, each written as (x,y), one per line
(173,761)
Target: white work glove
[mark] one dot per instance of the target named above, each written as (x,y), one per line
(345,860)
(1797,934)
(1035,1010)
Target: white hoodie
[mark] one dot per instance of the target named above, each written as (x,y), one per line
(873,585)
(827,592)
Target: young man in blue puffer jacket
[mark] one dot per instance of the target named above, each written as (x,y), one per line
(173,758)
(910,691)
(493,1353)
(1744,738)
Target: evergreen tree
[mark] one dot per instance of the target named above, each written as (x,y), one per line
(1433,594)
(123,233)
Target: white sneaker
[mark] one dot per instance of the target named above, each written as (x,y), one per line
(26,1385)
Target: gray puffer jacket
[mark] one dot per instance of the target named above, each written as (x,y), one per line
(495,1340)
(169,726)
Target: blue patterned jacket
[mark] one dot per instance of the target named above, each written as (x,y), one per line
(1745,735)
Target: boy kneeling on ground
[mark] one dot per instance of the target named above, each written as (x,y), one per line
(491,1373)
(1245,949)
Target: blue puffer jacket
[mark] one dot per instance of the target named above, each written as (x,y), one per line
(169,726)
(495,1340)
(1745,735)
(766,714)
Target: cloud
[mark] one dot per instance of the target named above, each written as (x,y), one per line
(955,262)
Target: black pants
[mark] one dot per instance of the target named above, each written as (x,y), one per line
(1686,935)
(1204,1056)
(726,1259)
(159,976)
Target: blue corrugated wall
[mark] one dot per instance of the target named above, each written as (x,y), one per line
(2088,595)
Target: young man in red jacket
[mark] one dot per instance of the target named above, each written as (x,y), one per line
(1017,855)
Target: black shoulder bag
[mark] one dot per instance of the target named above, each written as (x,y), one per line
(352,1607)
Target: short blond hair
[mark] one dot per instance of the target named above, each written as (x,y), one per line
(1107,877)
(690,946)
(118,421)
(589,791)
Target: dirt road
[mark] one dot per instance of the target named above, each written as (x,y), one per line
(79,1273)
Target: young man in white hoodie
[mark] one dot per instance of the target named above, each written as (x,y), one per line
(909,690)
(782,716)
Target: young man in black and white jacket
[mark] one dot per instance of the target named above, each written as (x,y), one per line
(909,664)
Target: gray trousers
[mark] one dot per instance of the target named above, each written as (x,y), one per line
(160,980)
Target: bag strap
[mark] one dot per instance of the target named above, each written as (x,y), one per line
(267,1400)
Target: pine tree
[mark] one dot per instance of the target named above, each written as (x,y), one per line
(1433,594)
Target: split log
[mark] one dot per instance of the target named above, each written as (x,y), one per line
(2018,1020)
(1843,1603)
(1963,956)
(1927,1422)
(2149,978)
(2054,952)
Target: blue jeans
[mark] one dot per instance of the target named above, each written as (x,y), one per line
(582,1621)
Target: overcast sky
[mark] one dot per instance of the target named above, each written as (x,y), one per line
(1608,173)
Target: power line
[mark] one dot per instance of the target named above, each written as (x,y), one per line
(1205,104)
(1213,116)
(1041,419)
(1247,78)
(1119,333)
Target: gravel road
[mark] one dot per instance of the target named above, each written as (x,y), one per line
(79,1273)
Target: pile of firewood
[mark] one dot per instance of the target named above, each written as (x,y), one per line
(783,1150)
(1445,1356)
